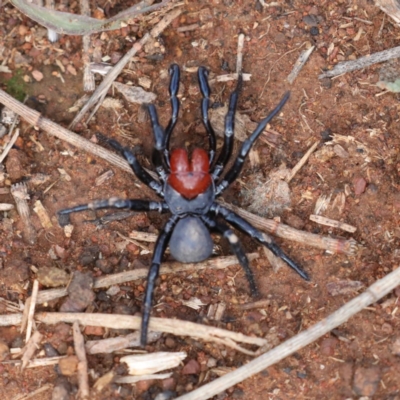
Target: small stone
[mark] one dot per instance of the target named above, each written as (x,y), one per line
(192,367)
(326,83)
(168,384)
(328,346)
(68,365)
(359,185)
(211,362)
(94,330)
(387,328)
(52,277)
(170,342)
(37,75)
(80,293)
(366,381)
(104,266)
(310,20)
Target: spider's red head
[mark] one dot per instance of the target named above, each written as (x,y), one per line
(189,179)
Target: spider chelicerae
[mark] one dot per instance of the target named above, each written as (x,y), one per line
(189,189)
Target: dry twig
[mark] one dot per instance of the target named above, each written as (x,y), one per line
(319,219)
(9,145)
(303,160)
(370,296)
(362,62)
(80,352)
(299,64)
(30,348)
(31,312)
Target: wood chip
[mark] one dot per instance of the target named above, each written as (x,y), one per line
(43,215)
(319,219)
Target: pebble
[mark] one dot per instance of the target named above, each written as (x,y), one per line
(366,381)
(80,293)
(328,346)
(37,75)
(359,185)
(310,20)
(19,270)
(52,277)
(94,330)
(169,383)
(68,365)
(192,367)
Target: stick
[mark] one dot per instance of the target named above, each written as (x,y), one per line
(30,348)
(362,62)
(391,8)
(299,64)
(9,145)
(239,56)
(31,313)
(319,219)
(80,352)
(375,292)
(284,231)
(303,160)
(174,326)
(88,75)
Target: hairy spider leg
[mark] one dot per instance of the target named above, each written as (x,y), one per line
(202,74)
(139,171)
(234,242)
(229,131)
(115,202)
(159,250)
(173,92)
(235,170)
(239,223)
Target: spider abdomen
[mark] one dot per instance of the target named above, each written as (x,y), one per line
(190,241)
(189,179)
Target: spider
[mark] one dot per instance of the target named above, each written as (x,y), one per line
(189,188)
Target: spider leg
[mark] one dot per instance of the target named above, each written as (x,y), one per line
(244,226)
(159,249)
(235,170)
(161,137)
(226,151)
(202,74)
(115,202)
(233,240)
(139,171)
(173,92)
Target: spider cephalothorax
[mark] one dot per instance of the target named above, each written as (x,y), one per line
(189,187)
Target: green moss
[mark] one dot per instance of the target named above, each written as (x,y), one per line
(16,86)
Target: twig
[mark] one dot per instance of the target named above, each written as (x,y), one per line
(31,313)
(391,8)
(20,193)
(303,160)
(319,219)
(34,393)
(299,64)
(362,62)
(134,379)
(229,77)
(80,352)
(88,76)
(31,346)
(174,326)
(239,56)
(370,296)
(102,89)
(284,231)
(9,145)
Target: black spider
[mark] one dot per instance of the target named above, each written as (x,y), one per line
(189,191)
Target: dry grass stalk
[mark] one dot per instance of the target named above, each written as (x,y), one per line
(284,231)
(111,345)
(6,207)
(176,327)
(9,145)
(391,8)
(319,219)
(83,378)
(303,160)
(20,193)
(31,312)
(148,364)
(30,348)
(134,379)
(88,76)
(229,77)
(10,319)
(375,292)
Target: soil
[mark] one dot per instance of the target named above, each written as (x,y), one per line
(356,166)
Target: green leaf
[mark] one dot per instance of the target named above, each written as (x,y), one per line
(391,86)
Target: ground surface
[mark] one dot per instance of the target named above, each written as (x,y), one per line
(363,169)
